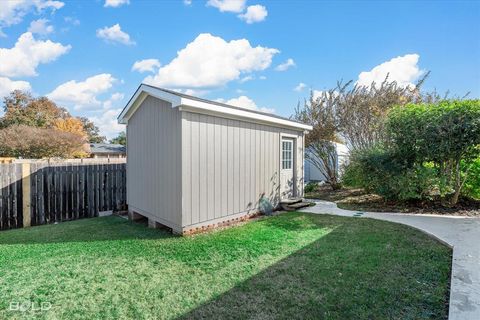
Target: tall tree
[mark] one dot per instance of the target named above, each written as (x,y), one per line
(321,113)
(92,131)
(353,114)
(23,109)
(120,139)
(72,125)
(362,110)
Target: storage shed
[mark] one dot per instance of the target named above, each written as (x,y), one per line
(194,163)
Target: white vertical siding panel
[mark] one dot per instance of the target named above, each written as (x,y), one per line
(154,121)
(231,165)
(252,164)
(175,144)
(236,166)
(301,165)
(277,168)
(218,168)
(211,168)
(263,158)
(152,161)
(261,161)
(224,171)
(195,169)
(167,138)
(202,170)
(187,170)
(237,162)
(247,155)
(257,164)
(270,170)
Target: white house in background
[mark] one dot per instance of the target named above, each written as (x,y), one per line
(312,173)
(194,163)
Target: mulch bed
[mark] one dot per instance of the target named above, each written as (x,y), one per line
(358,199)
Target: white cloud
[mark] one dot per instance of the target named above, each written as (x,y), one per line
(187,2)
(108,124)
(284,66)
(254,14)
(319,93)
(115,3)
(7,86)
(72,20)
(115,34)
(245,102)
(12,12)
(227,5)
(40,27)
(192,92)
(402,69)
(47,4)
(262,78)
(115,97)
(146,65)
(27,54)
(210,61)
(247,78)
(82,94)
(300,87)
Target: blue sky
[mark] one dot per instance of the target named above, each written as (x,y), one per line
(257,54)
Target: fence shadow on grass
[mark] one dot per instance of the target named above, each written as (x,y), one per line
(85,230)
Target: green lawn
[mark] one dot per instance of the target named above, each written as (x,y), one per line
(293,265)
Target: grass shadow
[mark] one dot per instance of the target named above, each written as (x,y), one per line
(83,230)
(294,265)
(346,274)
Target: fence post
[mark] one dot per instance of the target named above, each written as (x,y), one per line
(26,197)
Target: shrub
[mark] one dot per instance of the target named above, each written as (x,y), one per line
(472,183)
(310,187)
(446,134)
(352,173)
(429,150)
(384,173)
(30,142)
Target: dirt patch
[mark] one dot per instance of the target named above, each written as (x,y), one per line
(358,199)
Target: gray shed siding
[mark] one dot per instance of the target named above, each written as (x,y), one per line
(228,164)
(154,162)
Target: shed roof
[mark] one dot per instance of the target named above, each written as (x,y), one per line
(194,104)
(106,148)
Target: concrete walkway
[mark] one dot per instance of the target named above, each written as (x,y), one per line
(461,233)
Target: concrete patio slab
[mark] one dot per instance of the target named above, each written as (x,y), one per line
(461,233)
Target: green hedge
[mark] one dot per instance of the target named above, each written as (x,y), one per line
(429,150)
(381,172)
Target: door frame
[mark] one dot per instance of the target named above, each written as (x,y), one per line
(294,138)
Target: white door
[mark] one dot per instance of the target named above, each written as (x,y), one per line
(287,168)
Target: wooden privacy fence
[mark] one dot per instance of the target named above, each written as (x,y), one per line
(41,192)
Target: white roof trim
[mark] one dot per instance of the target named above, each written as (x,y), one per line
(194,105)
(142,92)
